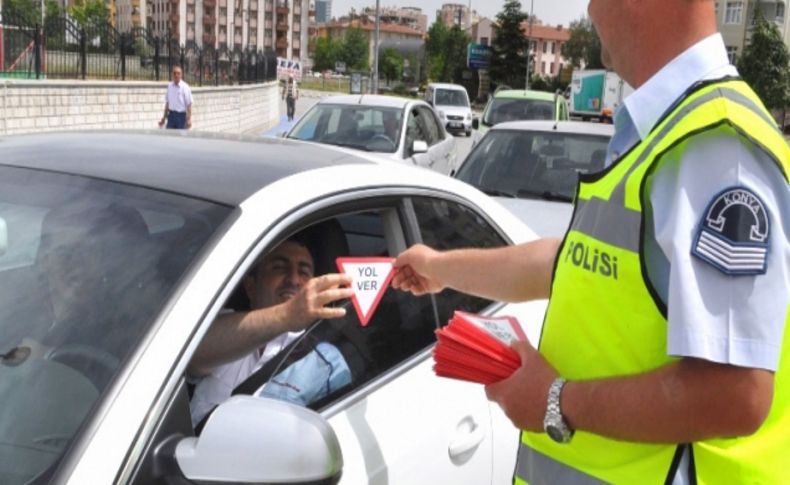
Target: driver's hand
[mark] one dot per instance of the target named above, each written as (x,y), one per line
(311,303)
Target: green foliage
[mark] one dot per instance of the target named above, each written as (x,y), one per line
(28,9)
(327,52)
(509,46)
(584,46)
(354,50)
(391,64)
(765,64)
(446,52)
(89,13)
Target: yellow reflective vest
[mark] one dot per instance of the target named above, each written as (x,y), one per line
(604,318)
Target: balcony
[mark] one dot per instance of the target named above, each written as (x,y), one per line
(190,17)
(209,4)
(297,28)
(297,9)
(237,39)
(267,24)
(267,42)
(237,21)
(253,23)
(267,6)
(209,39)
(297,44)
(282,26)
(223,20)
(209,20)
(282,43)
(173,17)
(223,38)
(282,9)
(253,4)
(223,3)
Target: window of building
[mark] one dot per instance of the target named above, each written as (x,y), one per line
(543,67)
(545,47)
(732,54)
(780,12)
(484,40)
(733,13)
(553,47)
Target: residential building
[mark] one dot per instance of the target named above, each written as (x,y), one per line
(388,33)
(130,14)
(323,11)
(236,24)
(546,44)
(735,19)
(456,14)
(411,17)
(483,31)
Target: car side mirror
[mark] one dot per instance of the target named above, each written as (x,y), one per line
(476,123)
(258,440)
(419,146)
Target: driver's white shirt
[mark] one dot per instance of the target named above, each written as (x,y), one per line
(216,387)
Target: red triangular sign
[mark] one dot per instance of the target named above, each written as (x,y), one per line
(370,278)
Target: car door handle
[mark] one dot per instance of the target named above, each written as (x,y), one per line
(468,436)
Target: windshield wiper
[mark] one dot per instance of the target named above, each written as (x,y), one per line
(497,192)
(351,145)
(545,195)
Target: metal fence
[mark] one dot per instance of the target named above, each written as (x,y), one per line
(60,48)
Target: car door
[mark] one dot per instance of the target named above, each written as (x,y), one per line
(441,147)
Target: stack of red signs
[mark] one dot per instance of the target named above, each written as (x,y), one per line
(477,348)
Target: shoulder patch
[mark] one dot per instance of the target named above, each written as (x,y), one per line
(733,234)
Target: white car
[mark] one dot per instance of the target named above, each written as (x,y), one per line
(532,168)
(386,127)
(451,103)
(118,251)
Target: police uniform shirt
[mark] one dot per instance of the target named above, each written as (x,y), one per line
(178,97)
(714,313)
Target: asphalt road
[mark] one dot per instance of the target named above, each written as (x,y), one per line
(308,99)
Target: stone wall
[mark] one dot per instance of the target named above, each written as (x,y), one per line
(30,106)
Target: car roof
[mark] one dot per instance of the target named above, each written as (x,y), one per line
(581,127)
(456,87)
(221,168)
(524,94)
(369,100)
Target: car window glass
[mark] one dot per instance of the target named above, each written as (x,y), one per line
(507,109)
(93,264)
(367,128)
(432,131)
(415,130)
(336,356)
(451,97)
(533,163)
(449,225)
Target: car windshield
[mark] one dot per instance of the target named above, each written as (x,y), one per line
(533,164)
(85,267)
(367,128)
(506,109)
(451,97)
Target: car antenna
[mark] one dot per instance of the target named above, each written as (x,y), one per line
(556,123)
(360,98)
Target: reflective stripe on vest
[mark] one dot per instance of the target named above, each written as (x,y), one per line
(603,319)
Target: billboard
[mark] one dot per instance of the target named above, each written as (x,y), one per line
(478,56)
(288,67)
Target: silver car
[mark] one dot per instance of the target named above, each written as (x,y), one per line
(385,127)
(532,168)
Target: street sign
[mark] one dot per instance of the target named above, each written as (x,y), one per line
(370,279)
(478,56)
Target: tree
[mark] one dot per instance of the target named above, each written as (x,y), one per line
(90,13)
(354,50)
(509,46)
(583,49)
(326,53)
(391,64)
(446,52)
(765,64)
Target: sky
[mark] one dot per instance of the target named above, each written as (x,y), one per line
(551,12)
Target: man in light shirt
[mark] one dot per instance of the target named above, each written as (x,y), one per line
(178,103)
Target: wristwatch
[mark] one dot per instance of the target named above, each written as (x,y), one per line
(554,424)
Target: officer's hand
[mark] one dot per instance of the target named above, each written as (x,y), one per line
(413,271)
(189,124)
(310,303)
(524,395)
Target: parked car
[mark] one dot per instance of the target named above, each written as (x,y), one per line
(119,250)
(520,104)
(387,127)
(451,103)
(532,167)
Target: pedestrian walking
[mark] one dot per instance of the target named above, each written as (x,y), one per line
(290,95)
(178,103)
(664,355)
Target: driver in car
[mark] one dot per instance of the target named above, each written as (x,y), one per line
(285,298)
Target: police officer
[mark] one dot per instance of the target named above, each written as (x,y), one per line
(663,356)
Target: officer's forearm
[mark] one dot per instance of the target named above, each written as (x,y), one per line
(682,402)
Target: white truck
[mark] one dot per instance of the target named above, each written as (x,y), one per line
(595,93)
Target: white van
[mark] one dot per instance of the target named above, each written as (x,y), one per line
(451,103)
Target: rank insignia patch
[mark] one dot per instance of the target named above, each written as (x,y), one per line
(733,234)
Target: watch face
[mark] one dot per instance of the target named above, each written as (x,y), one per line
(555,434)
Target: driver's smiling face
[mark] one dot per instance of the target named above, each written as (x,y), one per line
(281,275)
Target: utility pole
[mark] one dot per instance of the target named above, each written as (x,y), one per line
(529,40)
(376,53)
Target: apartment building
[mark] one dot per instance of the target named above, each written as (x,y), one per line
(546,43)
(735,19)
(323,11)
(457,14)
(279,25)
(411,17)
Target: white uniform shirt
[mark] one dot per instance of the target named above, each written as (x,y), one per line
(178,96)
(217,387)
(714,316)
